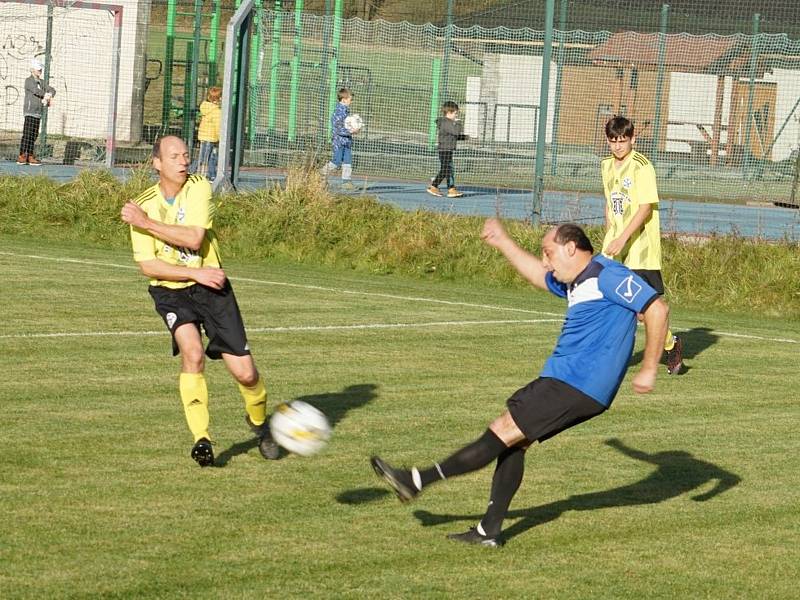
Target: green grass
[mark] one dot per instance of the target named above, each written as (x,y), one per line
(100,497)
(305,223)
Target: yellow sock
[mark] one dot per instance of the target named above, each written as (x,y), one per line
(194,395)
(669,342)
(255,401)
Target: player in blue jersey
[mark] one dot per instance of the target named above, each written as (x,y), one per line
(578,381)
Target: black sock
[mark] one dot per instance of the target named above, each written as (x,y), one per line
(472,457)
(505,483)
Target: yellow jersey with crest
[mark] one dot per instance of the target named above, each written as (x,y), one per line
(193,207)
(627,187)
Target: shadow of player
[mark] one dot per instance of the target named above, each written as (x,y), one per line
(694,340)
(677,473)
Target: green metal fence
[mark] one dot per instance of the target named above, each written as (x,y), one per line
(718,115)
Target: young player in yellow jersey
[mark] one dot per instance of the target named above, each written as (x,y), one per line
(633,229)
(175,246)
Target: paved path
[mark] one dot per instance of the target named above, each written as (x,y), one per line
(767,222)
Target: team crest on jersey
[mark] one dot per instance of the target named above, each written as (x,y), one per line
(628,289)
(618,200)
(181,215)
(171,318)
(627,182)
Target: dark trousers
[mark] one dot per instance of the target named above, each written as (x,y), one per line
(30,131)
(445,169)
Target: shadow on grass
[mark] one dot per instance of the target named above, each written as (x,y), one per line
(362,495)
(335,405)
(677,473)
(694,340)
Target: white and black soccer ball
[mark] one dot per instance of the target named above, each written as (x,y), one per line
(354,123)
(300,428)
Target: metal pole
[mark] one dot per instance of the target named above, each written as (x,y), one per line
(169,56)
(662,57)
(187,94)
(295,84)
(213,43)
(111,129)
(334,62)
(274,65)
(562,36)
(538,182)
(48,45)
(190,102)
(229,127)
(746,154)
(244,45)
(323,79)
(435,77)
(448,37)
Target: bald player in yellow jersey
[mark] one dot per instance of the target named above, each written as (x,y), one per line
(172,233)
(633,229)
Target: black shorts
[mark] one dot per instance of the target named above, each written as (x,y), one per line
(546,407)
(652,278)
(216,310)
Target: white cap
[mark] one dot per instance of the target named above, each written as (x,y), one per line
(36,65)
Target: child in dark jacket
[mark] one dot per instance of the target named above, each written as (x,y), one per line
(450,131)
(341,140)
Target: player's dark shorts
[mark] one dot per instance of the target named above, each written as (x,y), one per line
(652,278)
(546,407)
(216,310)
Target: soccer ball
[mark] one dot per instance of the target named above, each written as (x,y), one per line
(354,123)
(300,428)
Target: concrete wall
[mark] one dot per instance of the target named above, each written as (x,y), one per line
(80,67)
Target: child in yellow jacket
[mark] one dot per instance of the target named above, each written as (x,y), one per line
(208,133)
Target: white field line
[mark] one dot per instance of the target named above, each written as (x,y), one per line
(344,291)
(250,330)
(306,286)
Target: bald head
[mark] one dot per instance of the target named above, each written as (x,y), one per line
(167,143)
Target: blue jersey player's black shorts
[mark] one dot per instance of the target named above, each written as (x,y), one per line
(216,310)
(546,407)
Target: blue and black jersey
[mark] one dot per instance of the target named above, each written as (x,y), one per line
(596,340)
(342,138)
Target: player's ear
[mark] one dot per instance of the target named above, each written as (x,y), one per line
(571,248)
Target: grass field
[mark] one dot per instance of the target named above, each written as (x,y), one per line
(697,499)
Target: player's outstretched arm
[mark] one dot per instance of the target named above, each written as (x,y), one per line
(655,325)
(158,269)
(526,264)
(181,236)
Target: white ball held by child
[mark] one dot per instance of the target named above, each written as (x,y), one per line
(354,123)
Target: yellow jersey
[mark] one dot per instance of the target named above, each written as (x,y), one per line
(626,188)
(194,207)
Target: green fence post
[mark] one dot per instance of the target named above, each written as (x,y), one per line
(662,57)
(538,183)
(448,42)
(333,70)
(746,154)
(274,65)
(190,100)
(295,84)
(169,57)
(213,44)
(436,73)
(562,36)
(187,94)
